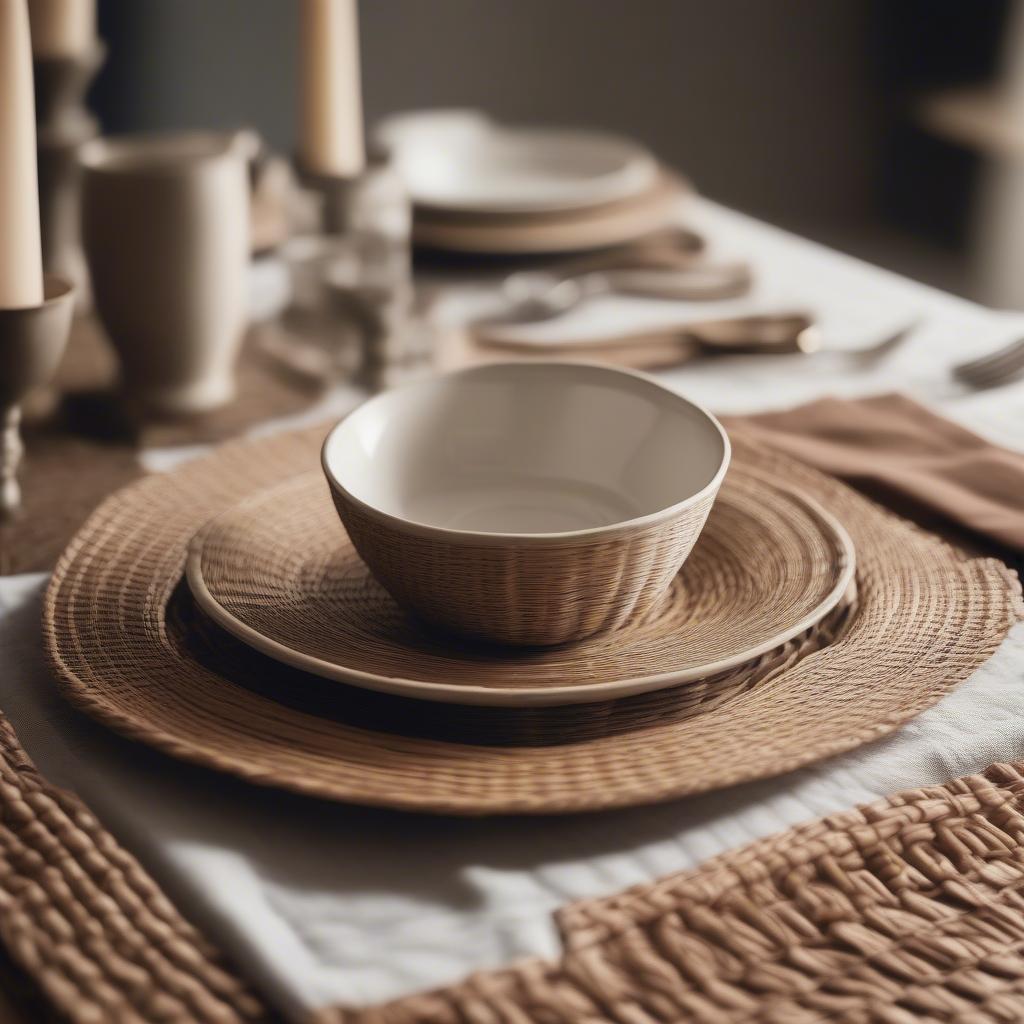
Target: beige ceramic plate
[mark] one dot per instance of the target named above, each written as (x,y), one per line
(278,572)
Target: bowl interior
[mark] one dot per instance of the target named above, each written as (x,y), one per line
(526,449)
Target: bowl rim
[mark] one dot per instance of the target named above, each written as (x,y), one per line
(486,537)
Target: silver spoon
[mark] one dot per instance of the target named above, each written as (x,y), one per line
(761,333)
(781,333)
(535,296)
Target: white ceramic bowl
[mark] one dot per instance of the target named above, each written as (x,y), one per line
(526,503)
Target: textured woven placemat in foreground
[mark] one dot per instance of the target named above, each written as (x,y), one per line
(85,921)
(902,911)
(905,910)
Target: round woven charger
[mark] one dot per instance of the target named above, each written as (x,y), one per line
(927,618)
(277,571)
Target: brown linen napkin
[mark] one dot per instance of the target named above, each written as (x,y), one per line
(908,458)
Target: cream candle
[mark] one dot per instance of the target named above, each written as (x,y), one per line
(331,116)
(62,28)
(21,261)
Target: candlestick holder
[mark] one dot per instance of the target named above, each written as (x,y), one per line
(63,126)
(351,289)
(32,341)
(371,209)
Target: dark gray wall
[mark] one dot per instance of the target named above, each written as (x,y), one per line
(766,104)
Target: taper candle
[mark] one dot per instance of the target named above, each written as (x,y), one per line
(62,28)
(21,261)
(331,117)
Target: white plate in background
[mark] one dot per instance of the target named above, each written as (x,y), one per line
(458,160)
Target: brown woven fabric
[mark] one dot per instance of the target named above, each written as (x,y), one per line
(901,911)
(80,915)
(926,619)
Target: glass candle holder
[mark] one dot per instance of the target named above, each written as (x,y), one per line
(350,309)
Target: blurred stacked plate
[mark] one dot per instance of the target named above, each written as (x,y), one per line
(478,187)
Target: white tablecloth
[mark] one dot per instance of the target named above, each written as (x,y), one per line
(325,904)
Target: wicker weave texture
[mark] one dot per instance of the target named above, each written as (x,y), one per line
(926,619)
(80,915)
(527,594)
(205,643)
(274,570)
(902,911)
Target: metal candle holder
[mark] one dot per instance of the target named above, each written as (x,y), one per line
(32,341)
(63,126)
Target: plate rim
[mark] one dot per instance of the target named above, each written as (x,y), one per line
(638,172)
(516,697)
(609,224)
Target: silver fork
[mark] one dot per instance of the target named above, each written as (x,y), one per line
(999,367)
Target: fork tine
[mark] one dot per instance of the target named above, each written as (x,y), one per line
(994,372)
(992,378)
(988,376)
(1007,356)
(993,358)
(1007,365)
(1003,363)
(980,383)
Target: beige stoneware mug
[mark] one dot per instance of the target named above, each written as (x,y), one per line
(165,225)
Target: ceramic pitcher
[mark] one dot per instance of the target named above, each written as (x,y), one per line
(165,225)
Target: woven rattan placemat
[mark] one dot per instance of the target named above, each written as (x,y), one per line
(83,919)
(926,619)
(904,910)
